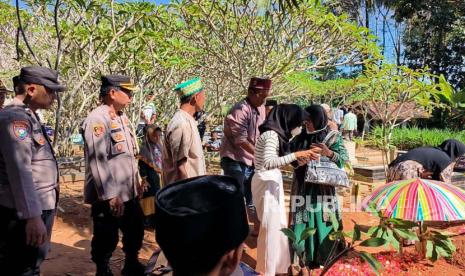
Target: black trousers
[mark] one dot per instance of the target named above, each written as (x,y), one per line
(16,257)
(106,235)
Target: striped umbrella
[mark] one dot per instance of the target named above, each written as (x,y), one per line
(419,200)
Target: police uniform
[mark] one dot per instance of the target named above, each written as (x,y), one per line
(28,179)
(111,171)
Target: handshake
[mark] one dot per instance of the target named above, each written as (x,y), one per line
(313,153)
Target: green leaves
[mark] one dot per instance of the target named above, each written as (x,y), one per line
(406,234)
(357,234)
(374,264)
(289,233)
(307,233)
(354,235)
(299,245)
(334,221)
(394,231)
(402,224)
(373,242)
(311,87)
(438,245)
(371,208)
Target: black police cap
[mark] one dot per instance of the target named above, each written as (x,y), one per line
(121,81)
(42,76)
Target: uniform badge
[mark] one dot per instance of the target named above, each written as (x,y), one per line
(114,125)
(21,129)
(98,129)
(119,147)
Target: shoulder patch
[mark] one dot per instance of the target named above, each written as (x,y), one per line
(21,129)
(98,129)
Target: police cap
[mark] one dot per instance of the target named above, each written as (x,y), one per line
(42,76)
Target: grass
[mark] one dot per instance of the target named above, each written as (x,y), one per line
(409,138)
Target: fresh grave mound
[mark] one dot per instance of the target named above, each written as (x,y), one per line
(393,264)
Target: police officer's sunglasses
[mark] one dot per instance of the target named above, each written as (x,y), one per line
(128,93)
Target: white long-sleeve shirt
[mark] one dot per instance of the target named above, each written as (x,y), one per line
(267,153)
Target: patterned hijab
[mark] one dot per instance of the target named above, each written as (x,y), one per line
(320,123)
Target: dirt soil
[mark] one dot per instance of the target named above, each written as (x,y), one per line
(71,237)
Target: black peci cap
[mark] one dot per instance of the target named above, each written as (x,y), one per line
(198,220)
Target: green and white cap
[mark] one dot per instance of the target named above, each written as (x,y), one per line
(189,88)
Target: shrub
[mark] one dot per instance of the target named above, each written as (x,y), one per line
(408,138)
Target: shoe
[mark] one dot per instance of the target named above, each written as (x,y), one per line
(133,268)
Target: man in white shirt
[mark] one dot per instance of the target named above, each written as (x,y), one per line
(148,116)
(338,117)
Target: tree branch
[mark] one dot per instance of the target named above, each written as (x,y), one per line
(24,35)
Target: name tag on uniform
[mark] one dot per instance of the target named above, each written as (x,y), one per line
(118,136)
(39,138)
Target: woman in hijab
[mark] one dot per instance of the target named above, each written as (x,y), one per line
(150,158)
(453,148)
(435,163)
(319,248)
(272,151)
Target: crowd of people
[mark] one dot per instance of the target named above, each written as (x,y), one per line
(200,221)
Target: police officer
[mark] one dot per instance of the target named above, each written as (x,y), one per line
(111,177)
(28,175)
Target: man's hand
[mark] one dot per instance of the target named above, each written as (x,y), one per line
(142,187)
(247,146)
(116,207)
(182,171)
(36,234)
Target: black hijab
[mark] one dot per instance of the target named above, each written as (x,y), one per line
(283,119)
(319,119)
(433,159)
(453,148)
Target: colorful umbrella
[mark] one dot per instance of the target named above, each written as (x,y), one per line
(419,200)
